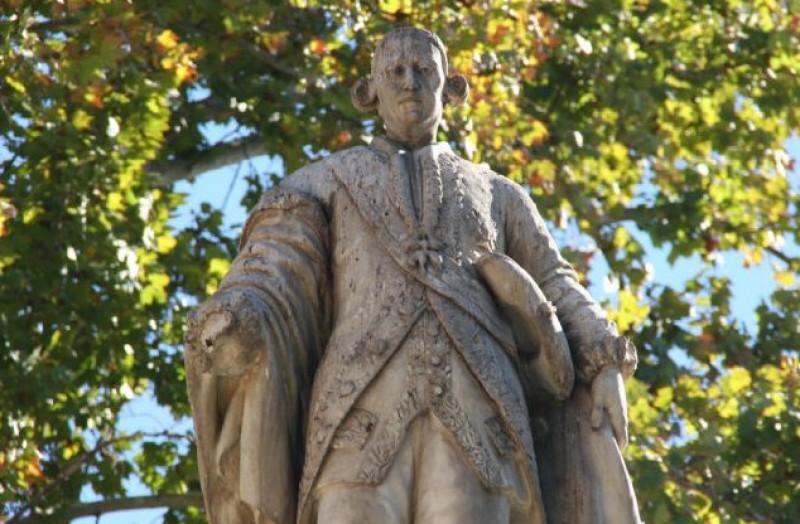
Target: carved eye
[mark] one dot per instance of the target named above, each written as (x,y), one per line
(425,70)
(397,71)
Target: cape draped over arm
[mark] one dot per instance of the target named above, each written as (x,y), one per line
(250,422)
(582,473)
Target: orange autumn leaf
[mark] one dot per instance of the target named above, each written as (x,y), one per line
(318,46)
(94,97)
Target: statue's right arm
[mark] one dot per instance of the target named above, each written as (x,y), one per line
(278,268)
(251,354)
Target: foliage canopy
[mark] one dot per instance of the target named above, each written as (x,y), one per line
(636,123)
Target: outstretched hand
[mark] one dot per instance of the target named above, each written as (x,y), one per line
(225,334)
(608,396)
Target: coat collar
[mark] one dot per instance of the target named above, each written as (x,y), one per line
(420,214)
(389,147)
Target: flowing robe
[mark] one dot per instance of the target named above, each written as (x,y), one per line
(328,259)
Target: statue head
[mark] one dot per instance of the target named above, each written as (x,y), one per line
(410,85)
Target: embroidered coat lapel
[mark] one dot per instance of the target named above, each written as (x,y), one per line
(366,179)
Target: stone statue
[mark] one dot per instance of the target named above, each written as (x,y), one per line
(388,345)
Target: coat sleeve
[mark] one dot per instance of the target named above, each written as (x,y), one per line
(581,470)
(249,412)
(593,339)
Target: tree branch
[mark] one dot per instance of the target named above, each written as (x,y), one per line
(215,157)
(74,467)
(53,24)
(88,509)
(792,262)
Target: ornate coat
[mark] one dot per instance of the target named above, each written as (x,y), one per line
(332,257)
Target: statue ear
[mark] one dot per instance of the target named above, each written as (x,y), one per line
(456,89)
(364,96)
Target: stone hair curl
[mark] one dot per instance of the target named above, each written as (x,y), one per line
(363,95)
(456,90)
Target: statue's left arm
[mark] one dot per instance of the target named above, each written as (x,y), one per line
(601,357)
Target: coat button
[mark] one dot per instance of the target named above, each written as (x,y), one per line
(436,360)
(437,391)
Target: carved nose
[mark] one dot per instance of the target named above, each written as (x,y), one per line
(410,79)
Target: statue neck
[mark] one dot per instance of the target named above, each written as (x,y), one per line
(408,145)
(411,142)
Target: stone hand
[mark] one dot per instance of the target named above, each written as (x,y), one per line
(225,333)
(608,395)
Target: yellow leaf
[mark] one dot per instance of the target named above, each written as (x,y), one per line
(663,398)
(16,84)
(784,278)
(155,291)
(30,214)
(630,312)
(55,338)
(114,202)
(544,168)
(536,135)
(497,142)
(166,40)
(185,71)
(608,115)
(778,404)
(126,180)
(168,63)
(70,451)
(219,267)
(81,120)
(159,280)
(621,237)
(737,380)
(729,408)
(752,257)
(709,111)
(165,243)
(395,6)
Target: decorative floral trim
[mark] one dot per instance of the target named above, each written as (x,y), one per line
(432,193)
(387,442)
(355,430)
(449,411)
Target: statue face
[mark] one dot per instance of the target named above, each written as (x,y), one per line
(409,80)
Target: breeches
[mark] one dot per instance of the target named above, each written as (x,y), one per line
(428,483)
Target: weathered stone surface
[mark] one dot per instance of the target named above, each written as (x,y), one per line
(399,340)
